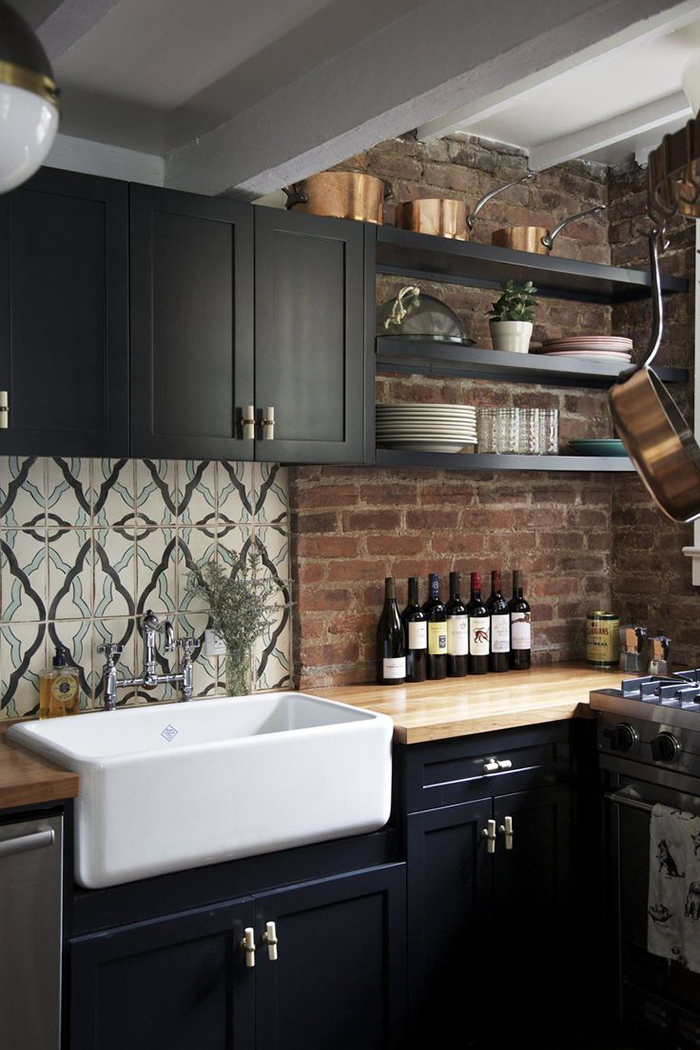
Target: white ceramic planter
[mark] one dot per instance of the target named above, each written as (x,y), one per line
(512,336)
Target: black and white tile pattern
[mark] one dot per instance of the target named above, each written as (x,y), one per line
(86,546)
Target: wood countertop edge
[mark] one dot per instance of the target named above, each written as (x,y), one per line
(27,779)
(490,723)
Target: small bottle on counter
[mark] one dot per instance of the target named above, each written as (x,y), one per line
(520,626)
(59,687)
(415,624)
(479,629)
(437,629)
(391,650)
(499,653)
(457,631)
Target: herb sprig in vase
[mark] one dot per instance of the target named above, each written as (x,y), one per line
(240,605)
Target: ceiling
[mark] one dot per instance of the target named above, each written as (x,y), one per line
(607,108)
(149,75)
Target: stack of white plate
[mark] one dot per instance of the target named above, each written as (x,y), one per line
(427,427)
(590,347)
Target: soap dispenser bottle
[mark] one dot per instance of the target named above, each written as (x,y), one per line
(59,687)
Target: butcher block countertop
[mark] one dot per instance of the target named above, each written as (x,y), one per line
(26,779)
(480,704)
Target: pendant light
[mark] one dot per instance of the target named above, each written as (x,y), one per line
(29,108)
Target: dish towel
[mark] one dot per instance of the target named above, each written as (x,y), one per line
(673,924)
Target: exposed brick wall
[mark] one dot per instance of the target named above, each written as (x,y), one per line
(651,577)
(571,534)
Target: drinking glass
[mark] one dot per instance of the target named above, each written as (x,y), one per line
(549,431)
(529,435)
(487,429)
(508,422)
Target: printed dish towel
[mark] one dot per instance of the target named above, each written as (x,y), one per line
(673,925)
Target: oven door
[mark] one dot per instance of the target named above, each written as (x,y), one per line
(652,987)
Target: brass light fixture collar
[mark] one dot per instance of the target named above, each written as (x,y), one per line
(38,83)
(23,61)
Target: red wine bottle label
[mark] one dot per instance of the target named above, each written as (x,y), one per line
(479,633)
(437,639)
(394,667)
(458,635)
(418,635)
(500,634)
(520,630)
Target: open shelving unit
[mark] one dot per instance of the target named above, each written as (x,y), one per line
(423,257)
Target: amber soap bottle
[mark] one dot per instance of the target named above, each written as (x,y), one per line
(59,688)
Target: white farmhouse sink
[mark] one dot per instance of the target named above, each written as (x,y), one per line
(167,788)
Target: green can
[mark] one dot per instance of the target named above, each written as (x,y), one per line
(602,638)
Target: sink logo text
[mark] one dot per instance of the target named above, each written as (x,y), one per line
(169,733)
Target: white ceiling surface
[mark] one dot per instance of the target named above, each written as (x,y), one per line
(595,93)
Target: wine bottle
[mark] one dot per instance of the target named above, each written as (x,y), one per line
(415,625)
(520,626)
(457,631)
(479,629)
(390,643)
(499,658)
(437,630)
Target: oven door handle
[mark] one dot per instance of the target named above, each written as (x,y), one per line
(631,803)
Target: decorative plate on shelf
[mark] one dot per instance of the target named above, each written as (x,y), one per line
(598,447)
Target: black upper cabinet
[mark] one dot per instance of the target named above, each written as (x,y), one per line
(191,325)
(64,356)
(340,978)
(179,983)
(310,336)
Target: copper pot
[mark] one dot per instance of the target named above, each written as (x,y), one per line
(659,441)
(536,239)
(434,215)
(341,194)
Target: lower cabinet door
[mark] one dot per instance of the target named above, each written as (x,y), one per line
(179,983)
(532,922)
(339,980)
(450,877)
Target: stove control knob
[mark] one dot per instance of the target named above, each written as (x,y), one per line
(665,748)
(624,737)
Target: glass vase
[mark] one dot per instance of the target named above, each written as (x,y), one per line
(238,673)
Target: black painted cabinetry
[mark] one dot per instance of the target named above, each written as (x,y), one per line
(310,335)
(182,981)
(192,367)
(64,351)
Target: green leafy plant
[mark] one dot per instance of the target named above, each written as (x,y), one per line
(516,303)
(239,602)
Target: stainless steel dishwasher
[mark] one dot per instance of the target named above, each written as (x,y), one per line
(30,933)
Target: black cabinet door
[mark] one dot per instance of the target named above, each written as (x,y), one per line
(449,918)
(64,355)
(179,983)
(191,325)
(531,922)
(340,978)
(310,336)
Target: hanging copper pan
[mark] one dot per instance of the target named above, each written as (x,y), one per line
(438,216)
(341,194)
(657,438)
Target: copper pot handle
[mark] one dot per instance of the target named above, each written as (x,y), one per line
(548,239)
(492,193)
(295,196)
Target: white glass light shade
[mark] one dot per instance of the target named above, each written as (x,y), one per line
(28,125)
(691,83)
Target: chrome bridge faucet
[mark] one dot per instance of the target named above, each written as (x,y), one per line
(150,628)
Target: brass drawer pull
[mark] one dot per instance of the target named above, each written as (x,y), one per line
(248,946)
(489,833)
(496,765)
(506,829)
(248,422)
(268,424)
(270,939)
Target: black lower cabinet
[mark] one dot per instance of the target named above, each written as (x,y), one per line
(182,982)
(449,910)
(340,978)
(179,982)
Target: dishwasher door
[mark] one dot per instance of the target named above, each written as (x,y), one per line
(31,891)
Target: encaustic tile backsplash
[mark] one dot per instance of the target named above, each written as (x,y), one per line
(87,546)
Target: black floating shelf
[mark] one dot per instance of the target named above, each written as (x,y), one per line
(451,359)
(419,255)
(477,461)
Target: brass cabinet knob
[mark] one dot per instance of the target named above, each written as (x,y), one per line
(248,946)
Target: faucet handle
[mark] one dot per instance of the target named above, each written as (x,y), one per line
(188,646)
(110,650)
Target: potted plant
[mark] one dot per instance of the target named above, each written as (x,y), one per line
(511,317)
(241,608)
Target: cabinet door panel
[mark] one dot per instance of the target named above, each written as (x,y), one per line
(449,915)
(309,336)
(63,320)
(191,324)
(339,980)
(178,983)
(533,931)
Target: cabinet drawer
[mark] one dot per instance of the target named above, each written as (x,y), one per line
(447,772)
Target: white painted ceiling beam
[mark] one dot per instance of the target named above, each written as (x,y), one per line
(656,114)
(63,23)
(487,106)
(443,54)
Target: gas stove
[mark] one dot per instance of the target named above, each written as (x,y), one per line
(652,720)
